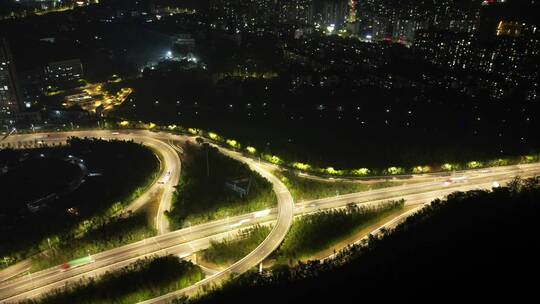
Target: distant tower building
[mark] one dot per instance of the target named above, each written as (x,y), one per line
(382,28)
(295,11)
(352,11)
(334,12)
(352,24)
(10,96)
(404,30)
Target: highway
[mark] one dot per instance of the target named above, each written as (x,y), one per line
(170,167)
(186,241)
(50,279)
(169,160)
(168,179)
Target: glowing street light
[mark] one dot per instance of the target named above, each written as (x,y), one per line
(330,29)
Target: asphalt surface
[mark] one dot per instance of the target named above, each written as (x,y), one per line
(35,284)
(164,185)
(187,241)
(169,160)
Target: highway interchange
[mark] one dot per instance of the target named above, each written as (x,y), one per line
(187,241)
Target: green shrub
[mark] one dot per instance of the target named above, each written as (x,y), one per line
(201,194)
(304,188)
(233,249)
(315,232)
(142,280)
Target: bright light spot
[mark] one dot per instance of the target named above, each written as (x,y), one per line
(233,143)
(273,159)
(395,170)
(459,179)
(421,169)
(361,171)
(474,164)
(166,178)
(331,170)
(447,167)
(240,223)
(213,136)
(301,166)
(261,213)
(330,29)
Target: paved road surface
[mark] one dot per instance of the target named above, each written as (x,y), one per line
(170,171)
(186,241)
(47,280)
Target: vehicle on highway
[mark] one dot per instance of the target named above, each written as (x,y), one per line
(76,263)
(165,178)
(455,180)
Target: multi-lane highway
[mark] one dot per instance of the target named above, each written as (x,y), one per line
(169,162)
(47,280)
(162,188)
(184,242)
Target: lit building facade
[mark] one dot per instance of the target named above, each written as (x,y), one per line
(334,12)
(10,97)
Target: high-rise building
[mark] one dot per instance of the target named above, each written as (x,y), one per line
(334,12)
(405,29)
(10,97)
(295,11)
(381,28)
